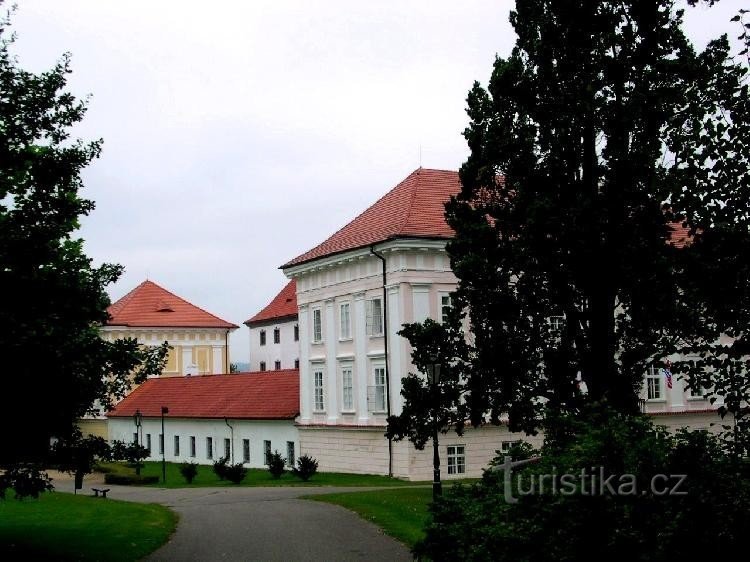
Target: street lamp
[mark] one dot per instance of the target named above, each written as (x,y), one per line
(164,410)
(138,420)
(433,379)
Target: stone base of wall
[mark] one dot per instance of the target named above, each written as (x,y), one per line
(365,451)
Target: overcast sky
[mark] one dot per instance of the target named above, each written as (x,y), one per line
(238,135)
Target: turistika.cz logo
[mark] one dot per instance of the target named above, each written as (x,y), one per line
(588,482)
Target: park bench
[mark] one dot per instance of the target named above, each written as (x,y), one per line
(102,490)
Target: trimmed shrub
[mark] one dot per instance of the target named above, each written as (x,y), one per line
(235,473)
(130,479)
(276,464)
(306,467)
(220,468)
(189,471)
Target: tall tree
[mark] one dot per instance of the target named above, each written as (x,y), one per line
(55,365)
(597,141)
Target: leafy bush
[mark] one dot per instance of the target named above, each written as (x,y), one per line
(479,522)
(26,481)
(276,464)
(306,467)
(189,471)
(133,453)
(220,468)
(235,473)
(130,479)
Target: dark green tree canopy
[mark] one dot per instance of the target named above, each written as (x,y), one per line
(600,136)
(55,364)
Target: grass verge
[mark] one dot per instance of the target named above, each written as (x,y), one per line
(255,477)
(401,513)
(61,526)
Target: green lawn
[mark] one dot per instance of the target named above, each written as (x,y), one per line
(255,477)
(61,526)
(401,513)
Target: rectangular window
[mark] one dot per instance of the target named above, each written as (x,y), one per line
(374,323)
(266,452)
(290,460)
(347,386)
(171,365)
(506,445)
(276,335)
(262,366)
(192,445)
(246,450)
(556,323)
(161,443)
(176,445)
(277,365)
(203,359)
(445,307)
(135,437)
(318,388)
(456,459)
(345,321)
(227,448)
(209,448)
(148,443)
(654,389)
(296,363)
(262,337)
(379,399)
(317,326)
(296,332)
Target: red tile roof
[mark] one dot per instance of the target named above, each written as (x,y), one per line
(283,305)
(149,305)
(412,209)
(415,208)
(271,395)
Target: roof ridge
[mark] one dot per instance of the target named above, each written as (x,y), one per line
(411,199)
(189,303)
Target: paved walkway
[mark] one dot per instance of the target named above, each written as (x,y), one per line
(246,523)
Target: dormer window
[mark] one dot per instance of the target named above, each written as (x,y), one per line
(163,306)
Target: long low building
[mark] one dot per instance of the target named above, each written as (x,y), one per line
(243,416)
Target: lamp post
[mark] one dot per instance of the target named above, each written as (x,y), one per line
(433,379)
(164,410)
(138,420)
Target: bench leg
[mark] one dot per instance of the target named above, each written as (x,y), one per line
(104,495)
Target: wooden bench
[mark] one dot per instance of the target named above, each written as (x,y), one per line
(103,491)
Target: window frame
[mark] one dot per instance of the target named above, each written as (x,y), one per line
(290,459)
(653,374)
(345,330)
(277,335)
(193,448)
(176,445)
(266,451)
(245,451)
(277,365)
(379,397)
(209,448)
(317,325)
(370,317)
(319,406)
(444,308)
(262,366)
(345,368)
(455,460)
(296,332)
(262,335)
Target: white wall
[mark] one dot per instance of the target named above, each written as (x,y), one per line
(286,351)
(278,432)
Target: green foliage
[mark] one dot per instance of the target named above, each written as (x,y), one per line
(220,467)
(78,454)
(478,523)
(49,329)
(306,467)
(235,473)
(276,464)
(130,479)
(26,481)
(602,131)
(134,453)
(189,471)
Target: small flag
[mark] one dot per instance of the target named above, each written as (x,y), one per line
(668,373)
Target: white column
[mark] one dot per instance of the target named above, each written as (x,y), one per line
(305,398)
(395,347)
(332,393)
(360,356)
(217,354)
(421,301)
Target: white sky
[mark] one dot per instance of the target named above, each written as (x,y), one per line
(238,135)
